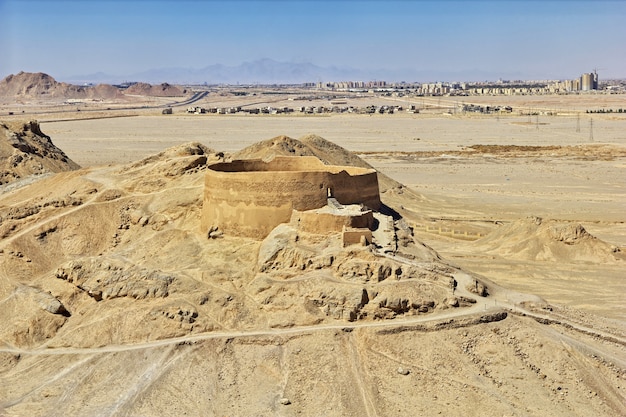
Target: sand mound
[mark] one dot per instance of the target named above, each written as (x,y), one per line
(311,145)
(42,86)
(184,150)
(278,146)
(25,151)
(162,90)
(150,174)
(536,239)
(100,91)
(332,152)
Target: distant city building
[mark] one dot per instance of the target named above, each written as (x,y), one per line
(351,85)
(586,82)
(589,81)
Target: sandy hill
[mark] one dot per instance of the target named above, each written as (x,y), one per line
(42,86)
(112,303)
(311,145)
(548,240)
(26,151)
(161,90)
(25,83)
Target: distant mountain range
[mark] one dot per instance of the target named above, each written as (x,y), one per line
(268,71)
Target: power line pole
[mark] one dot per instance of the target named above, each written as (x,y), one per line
(578,122)
(590,130)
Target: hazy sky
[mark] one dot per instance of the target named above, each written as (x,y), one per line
(536,39)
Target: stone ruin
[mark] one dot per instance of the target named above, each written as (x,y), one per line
(251,197)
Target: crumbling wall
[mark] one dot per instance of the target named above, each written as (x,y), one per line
(321,223)
(356,237)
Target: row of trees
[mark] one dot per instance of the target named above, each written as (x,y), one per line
(606,111)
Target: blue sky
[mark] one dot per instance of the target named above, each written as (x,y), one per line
(535,39)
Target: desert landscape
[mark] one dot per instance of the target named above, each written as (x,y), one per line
(491,281)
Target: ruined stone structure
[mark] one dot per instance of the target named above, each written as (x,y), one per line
(329,219)
(251,197)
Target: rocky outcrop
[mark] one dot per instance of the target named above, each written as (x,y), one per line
(339,283)
(28,85)
(547,240)
(104,279)
(570,234)
(44,300)
(161,90)
(25,150)
(40,86)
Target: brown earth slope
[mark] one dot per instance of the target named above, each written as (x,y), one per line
(536,239)
(162,90)
(42,86)
(112,303)
(26,151)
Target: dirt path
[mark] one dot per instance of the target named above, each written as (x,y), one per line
(359,374)
(478,310)
(498,301)
(100,179)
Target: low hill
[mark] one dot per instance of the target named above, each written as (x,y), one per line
(311,145)
(42,86)
(113,303)
(26,151)
(161,90)
(536,239)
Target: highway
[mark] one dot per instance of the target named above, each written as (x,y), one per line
(194,98)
